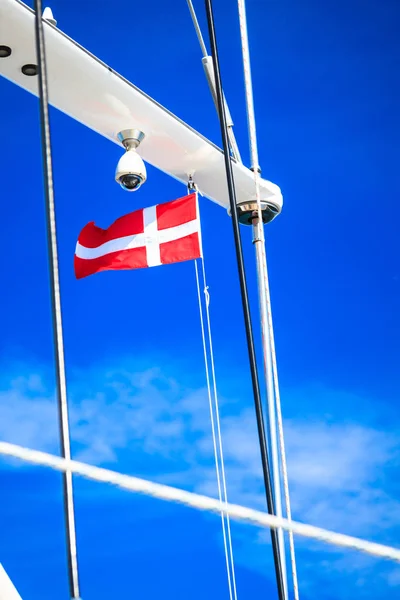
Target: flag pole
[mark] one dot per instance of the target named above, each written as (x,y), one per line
(62,400)
(245,300)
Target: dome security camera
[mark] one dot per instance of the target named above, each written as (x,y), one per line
(131,171)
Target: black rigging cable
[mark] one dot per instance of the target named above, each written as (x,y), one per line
(245,300)
(56,302)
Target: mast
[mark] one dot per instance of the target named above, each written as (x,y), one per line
(69,511)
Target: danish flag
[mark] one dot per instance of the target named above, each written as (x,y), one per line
(157,235)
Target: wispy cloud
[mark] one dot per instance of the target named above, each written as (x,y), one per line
(28,413)
(153,425)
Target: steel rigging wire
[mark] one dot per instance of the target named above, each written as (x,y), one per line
(216,430)
(73,576)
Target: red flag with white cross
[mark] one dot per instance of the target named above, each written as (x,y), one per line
(157,235)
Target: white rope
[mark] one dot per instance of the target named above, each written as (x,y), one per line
(225,530)
(198,501)
(251,120)
(207,297)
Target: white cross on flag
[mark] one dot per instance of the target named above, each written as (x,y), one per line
(157,235)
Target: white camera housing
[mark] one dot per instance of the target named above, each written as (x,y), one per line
(131,171)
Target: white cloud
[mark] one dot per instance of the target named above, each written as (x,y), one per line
(27,413)
(153,426)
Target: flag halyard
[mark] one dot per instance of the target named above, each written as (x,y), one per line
(157,235)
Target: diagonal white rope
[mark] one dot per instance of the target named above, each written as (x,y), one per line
(198,501)
(226,533)
(270,363)
(216,402)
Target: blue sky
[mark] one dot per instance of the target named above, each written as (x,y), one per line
(326,97)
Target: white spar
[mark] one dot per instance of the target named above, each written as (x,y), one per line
(7,588)
(89,91)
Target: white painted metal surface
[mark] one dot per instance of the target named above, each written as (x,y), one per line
(92,93)
(7,589)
